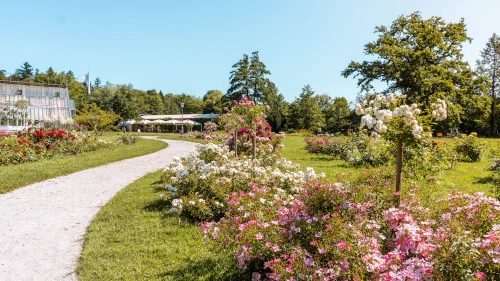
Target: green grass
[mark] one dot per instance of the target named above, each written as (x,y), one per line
(12,177)
(468,177)
(134,238)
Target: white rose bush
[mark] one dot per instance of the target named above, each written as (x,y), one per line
(397,122)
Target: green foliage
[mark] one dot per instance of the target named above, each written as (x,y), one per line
(307,111)
(489,66)
(469,149)
(96,119)
(212,101)
(248,80)
(421,58)
(25,72)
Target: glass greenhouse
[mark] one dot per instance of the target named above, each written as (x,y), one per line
(22,104)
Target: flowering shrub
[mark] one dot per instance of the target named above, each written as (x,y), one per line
(428,159)
(495,168)
(337,232)
(246,122)
(319,146)
(197,186)
(359,150)
(34,144)
(469,149)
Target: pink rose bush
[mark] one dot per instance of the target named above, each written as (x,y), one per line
(340,232)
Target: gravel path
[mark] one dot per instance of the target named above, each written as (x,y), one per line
(42,225)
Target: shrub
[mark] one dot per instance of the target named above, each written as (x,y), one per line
(208,178)
(337,232)
(34,144)
(469,149)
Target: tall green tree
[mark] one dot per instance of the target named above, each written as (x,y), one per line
(212,101)
(25,71)
(338,120)
(278,114)
(3,75)
(249,79)
(421,58)
(239,80)
(489,66)
(97,82)
(306,111)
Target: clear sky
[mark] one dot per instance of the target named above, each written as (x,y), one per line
(189,46)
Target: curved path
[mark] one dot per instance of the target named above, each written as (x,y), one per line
(42,225)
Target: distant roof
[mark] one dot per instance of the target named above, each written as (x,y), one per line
(179,116)
(32,84)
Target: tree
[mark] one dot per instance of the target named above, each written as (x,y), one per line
(97,83)
(2,75)
(277,115)
(339,115)
(51,76)
(489,66)
(25,72)
(96,118)
(261,86)
(171,104)
(307,111)
(421,58)
(248,79)
(212,101)
(239,80)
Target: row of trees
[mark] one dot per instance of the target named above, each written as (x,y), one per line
(421,58)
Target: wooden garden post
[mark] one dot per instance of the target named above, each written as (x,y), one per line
(253,146)
(236,143)
(399,172)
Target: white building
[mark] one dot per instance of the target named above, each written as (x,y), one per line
(23,102)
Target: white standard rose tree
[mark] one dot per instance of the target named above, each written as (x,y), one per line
(399,123)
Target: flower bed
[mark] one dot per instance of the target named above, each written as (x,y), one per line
(35,144)
(287,224)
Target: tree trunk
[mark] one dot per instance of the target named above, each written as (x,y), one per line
(493,104)
(399,172)
(253,147)
(236,143)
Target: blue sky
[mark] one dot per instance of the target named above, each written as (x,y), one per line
(190,46)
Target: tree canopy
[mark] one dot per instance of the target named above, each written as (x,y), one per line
(421,58)
(489,66)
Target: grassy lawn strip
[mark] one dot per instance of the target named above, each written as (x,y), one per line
(12,177)
(468,177)
(134,238)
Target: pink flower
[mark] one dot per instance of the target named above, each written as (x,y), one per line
(268,244)
(341,244)
(309,261)
(276,248)
(259,236)
(289,268)
(344,265)
(480,275)
(321,250)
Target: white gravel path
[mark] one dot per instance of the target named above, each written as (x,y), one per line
(42,225)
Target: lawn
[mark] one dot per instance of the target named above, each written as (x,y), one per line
(12,177)
(469,177)
(134,238)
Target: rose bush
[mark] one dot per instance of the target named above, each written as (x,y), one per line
(35,144)
(339,232)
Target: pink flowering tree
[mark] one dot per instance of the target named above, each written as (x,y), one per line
(389,117)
